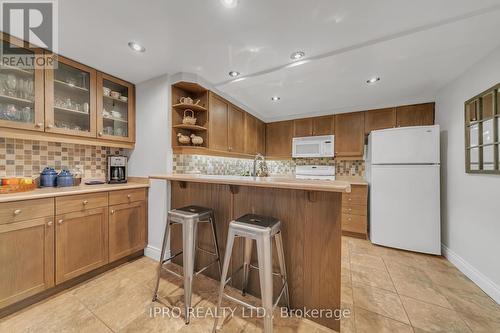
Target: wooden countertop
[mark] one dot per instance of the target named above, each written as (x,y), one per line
(353,180)
(276,182)
(50,192)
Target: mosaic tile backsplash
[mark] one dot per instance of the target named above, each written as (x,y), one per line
(25,158)
(211,165)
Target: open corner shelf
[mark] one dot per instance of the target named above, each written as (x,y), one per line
(190,127)
(185,106)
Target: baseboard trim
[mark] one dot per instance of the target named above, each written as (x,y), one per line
(154,253)
(488,286)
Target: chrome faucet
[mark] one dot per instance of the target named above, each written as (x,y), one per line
(263,171)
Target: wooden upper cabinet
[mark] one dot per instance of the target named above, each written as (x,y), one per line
(70,99)
(261,141)
(22,90)
(324,125)
(415,115)
(236,130)
(115,109)
(255,134)
(379,119)
(349,134)
(127,229)
(81,242)
(26,258)
(218,126)
(279,139)
(302,127)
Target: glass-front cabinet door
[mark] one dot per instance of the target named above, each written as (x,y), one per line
(115,109)
(70,101)
(21,87)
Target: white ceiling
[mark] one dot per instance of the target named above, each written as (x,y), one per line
(416,47)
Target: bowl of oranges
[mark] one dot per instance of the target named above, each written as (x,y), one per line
(17,184)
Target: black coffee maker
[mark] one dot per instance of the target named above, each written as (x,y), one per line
(117,169)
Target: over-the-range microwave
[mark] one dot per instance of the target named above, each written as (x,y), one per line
(314,146)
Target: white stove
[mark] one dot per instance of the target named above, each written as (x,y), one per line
(315,172)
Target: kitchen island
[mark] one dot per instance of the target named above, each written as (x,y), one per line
(310,213)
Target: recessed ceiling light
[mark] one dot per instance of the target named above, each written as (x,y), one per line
(275,98)
(373,80)
(229,3)
(297,55)
(234,73)
(136,47)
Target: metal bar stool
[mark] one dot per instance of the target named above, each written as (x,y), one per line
(188,217)
(261,229)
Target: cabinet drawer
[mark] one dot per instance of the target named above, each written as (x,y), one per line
(352,199)
(354,223)
(25,210)
(358,196)
(126,196)
(76,203)
(354,209)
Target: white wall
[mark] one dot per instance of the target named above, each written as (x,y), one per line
(470,203)
(153,153)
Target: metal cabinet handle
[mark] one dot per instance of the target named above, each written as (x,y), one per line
(17,212)
(49,223)
(60,221)
(85,202)
(112,211)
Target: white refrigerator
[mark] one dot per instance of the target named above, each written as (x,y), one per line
(404,175)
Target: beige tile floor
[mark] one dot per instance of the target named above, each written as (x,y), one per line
(398,291)
(385,289)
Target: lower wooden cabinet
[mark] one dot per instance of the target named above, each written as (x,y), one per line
(355,211)
(45,242)
(26,259)
(81,242)
(127,229)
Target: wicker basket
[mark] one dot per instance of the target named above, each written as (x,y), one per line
(189,118)
(183,139)
(196,140)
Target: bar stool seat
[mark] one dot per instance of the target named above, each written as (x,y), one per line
(188,217)
(262,229)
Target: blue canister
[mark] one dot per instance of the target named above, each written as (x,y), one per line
(65,178)
(48,177)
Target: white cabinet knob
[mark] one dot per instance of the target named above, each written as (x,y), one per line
(49,126)
(60,221)
(100,133)
(17,212)
(85,202)
(49,223)
(112,211)
(39,125)
(129,196)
